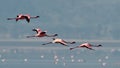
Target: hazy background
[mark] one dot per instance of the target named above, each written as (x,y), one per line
(76,19)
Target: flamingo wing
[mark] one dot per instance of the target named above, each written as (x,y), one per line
(27,19)
(43,33)
(63,43)
(89,48)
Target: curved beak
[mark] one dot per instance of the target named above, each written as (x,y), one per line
(53,38)
(33,29)
(100,45)
(37,16)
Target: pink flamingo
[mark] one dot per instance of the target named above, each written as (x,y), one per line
(86,45)
(61,41)
(41,33)
(27,17)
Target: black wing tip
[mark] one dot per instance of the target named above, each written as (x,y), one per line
(71,48)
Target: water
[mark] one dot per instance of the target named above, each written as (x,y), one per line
(23,54)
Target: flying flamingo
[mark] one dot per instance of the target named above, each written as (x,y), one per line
(41,33)
(86,45)
(61,41)
(27,17)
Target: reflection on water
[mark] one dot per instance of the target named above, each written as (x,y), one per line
(23,54)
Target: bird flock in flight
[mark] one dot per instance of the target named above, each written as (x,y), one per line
(41,33)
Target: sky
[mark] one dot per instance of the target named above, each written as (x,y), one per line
(72,19)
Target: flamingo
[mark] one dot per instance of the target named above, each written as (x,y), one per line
(61,41)
(27,17)
(41,33)
(86,45)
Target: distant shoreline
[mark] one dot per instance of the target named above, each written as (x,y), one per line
(45,40)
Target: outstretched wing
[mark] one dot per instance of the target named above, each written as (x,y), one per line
(27,19)
(43,33)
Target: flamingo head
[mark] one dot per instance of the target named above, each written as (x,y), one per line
(19,15)
(37,16)
(53,38)
(34,30)
(100,45)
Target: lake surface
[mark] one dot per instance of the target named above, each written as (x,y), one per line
(25,54)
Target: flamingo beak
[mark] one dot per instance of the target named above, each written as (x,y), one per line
(53,38)
(17,15)
(99,45)
(37,16)
(33,29)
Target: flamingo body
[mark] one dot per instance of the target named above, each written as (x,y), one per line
(27,17)
(57,40)
(61,41)
(41,33)
(86,45)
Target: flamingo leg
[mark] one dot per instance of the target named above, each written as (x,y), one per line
(52,35)
(89,48)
